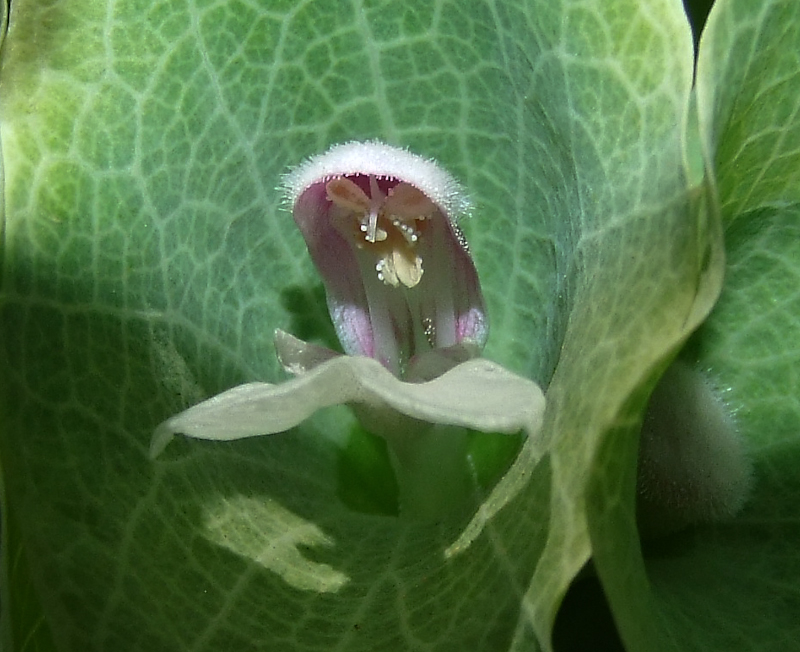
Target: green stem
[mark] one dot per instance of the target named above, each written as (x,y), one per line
(433,476)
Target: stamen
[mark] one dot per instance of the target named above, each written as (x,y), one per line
(407,271)
(406,201)
(379,236)
(387,272)
(407,230)
(372,228)
(346,194)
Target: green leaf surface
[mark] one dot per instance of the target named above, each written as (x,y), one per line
(26,627)
(148,259)
(737,585)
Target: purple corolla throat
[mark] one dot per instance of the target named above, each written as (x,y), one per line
(379,223)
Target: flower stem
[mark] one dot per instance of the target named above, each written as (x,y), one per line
(433,476)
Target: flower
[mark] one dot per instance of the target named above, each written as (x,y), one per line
(403,293)
(379,223)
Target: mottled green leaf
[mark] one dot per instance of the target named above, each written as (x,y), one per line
(737,585)
(148,259)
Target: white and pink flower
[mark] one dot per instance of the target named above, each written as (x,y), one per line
(404,296)
(380,225)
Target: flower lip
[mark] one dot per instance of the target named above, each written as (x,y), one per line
(474,393)
(383,162)
(379,223)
